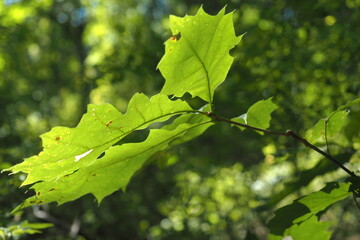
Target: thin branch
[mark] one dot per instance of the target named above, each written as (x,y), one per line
(306,143)
(288,133)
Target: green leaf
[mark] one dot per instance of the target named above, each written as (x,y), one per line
(316,132)
(114,170)
(77,153)
(345,106)
(199,61)
(302,212)
(26,224)
(332,125)
(310,229)
(258,115)
(23,228)
(319,201)
(68,149)
(336,123)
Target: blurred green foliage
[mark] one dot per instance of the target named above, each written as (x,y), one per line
(18,231)
(57,56)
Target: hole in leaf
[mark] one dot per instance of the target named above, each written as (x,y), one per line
(194,102)
(136,136)
(101,155)
(67,175)
(176,37)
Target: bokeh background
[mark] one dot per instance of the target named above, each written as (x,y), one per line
(57,56)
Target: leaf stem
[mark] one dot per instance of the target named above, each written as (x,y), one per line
(288,133)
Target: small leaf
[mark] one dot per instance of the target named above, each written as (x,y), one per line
(199,61)
(332,125)
(258,115)
(240,119)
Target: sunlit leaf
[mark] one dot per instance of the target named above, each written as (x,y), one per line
(68,150)
(199,60)
(114,170)
(258,115)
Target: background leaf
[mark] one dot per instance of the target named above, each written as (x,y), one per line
(18,230)
(199,61)
(333,124)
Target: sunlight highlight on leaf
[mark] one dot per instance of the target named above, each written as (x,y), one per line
(199,61)
(67,151)
(77,158)
(115,169)
(258,115)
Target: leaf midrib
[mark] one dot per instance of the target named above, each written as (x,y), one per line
(148,149)
(118,138)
